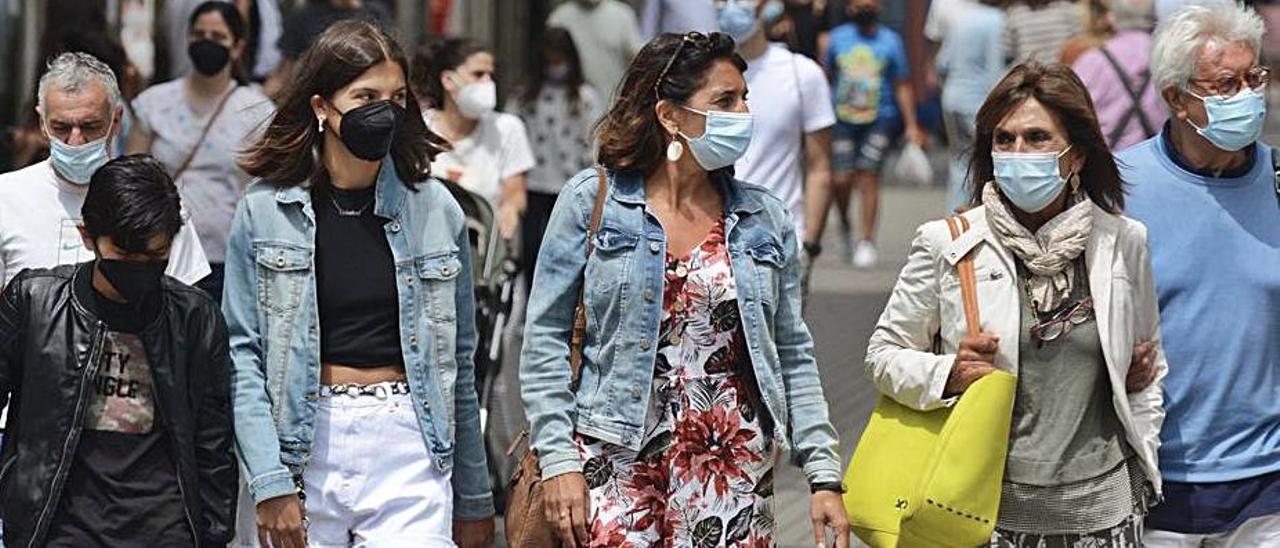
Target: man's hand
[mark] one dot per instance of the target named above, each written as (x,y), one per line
(1142,368)
(917,135)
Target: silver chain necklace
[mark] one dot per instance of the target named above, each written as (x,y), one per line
(348,212)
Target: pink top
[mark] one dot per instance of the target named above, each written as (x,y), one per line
(1132,49)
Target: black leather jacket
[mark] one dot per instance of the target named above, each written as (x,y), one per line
(50,349)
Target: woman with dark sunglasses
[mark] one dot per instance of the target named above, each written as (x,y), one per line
(697,366)
(1066,297)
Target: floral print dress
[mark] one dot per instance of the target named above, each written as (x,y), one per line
(704,474)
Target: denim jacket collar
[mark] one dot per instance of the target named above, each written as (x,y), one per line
(628,188)
(390,192)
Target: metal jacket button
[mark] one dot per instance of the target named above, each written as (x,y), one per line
(654,247)
(280,261)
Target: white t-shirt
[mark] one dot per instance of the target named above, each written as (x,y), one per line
(789,98)
(496,149)
(38,215)
(213,182)
(607,36)
(943,14)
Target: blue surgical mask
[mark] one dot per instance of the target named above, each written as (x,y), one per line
(1234,122)
(738,20)
(1031,180)
(772,11)
(77,163)
(726,138)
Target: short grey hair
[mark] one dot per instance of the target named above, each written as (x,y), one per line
(72,72)
(1178,42)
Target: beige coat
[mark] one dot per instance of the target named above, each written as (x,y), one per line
(926,304)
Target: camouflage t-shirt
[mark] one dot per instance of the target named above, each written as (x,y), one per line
(123,485)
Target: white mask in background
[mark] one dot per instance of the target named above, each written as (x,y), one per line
(477,98)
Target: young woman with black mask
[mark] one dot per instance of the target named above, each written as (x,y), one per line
(197,124)
(351,319)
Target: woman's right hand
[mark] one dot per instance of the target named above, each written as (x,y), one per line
(975,359)
(568,505)
(280,523)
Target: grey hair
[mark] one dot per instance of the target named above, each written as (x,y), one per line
(1134,14)
(1205,23)
(73,71)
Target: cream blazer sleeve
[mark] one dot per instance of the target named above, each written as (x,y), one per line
(900,357)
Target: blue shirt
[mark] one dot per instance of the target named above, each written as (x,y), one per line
(865,69)
(972,58)
(1215,253)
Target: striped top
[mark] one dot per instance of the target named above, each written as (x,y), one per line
(1038,34)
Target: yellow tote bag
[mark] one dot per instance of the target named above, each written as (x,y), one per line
(932,479)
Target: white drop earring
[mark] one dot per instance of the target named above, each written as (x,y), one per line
(320,125)
(675,150)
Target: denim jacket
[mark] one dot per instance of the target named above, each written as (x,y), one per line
(624,283)
(273,320)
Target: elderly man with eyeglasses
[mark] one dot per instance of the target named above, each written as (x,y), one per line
(1206,188)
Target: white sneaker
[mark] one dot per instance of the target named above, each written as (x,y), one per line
(864,256)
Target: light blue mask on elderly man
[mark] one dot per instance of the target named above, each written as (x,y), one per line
(1234,122)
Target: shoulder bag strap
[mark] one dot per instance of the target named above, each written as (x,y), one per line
(1135,95)
(1275,166)
(580,312)
(203,134)
(968,282)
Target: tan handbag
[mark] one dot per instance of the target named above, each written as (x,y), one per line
(525,518)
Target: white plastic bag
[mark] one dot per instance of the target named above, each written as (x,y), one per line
(913,166)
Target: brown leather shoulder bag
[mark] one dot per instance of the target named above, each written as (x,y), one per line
(525,519)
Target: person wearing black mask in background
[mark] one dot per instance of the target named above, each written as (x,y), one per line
(119,379)
(197,124)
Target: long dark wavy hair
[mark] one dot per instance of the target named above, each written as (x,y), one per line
(1062,93)
(555,41)
(288,152)
(631,137)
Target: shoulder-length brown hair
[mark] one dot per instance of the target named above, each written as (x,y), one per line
(1062,93)
(631,137)
(288,152)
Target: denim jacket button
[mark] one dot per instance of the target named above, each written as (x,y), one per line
(648,295)
(654,247)
(280,261)
(644,344)
(395,226)
(413,341)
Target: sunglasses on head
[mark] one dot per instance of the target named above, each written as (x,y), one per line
(692,38)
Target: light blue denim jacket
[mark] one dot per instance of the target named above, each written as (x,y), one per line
(274,324)
(624,282)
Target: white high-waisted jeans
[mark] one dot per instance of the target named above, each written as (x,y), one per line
(371,482)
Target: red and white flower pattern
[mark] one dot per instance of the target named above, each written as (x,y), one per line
(704,475)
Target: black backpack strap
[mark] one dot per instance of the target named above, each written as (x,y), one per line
(1275,167)
(1135,96)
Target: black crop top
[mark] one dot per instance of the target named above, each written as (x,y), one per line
(355,281)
